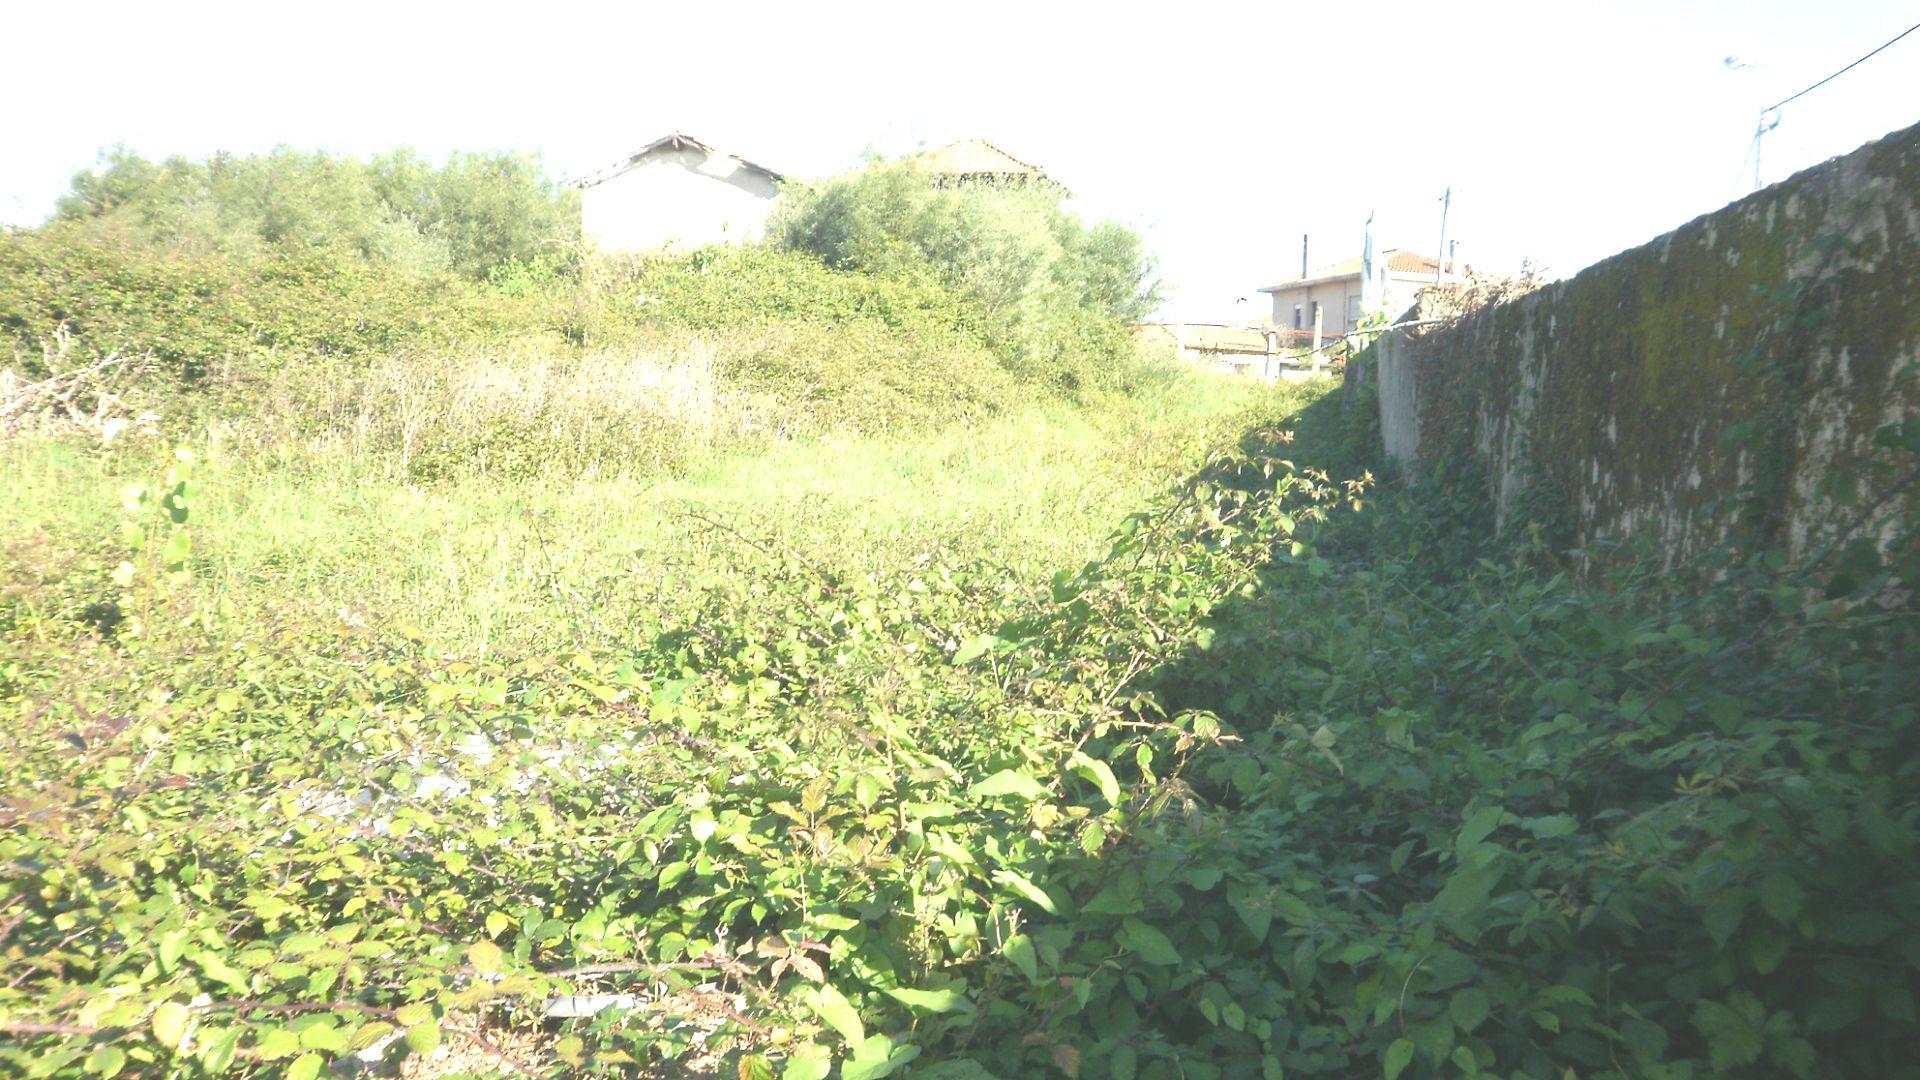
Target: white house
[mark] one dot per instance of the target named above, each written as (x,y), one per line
(676,193)
(1336,291)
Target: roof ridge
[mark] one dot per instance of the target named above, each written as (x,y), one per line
(675,139)
(997,148)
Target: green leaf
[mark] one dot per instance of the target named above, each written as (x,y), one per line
(1253,909)
(323,1036)
(485,957)
(1008,782)
(217,1055)
(1723,916)
(1781,897)
(1645,1040)
(278,1043)
(1467,890)
(839,1014)
(179,546)
(1019,950)
(1767,948)
(867,1068)
(106,1060)
(974,648)
(1477,826)
(306,1068)
(1024,885)
(938,1001)
(809,1061)
(877,1056)
(422,1038)
(1733,1031)
(1398,1057)
(170,1020)
(1100,773)
(1121,896)
(1468,1008)
(1149,943)
(1547,828)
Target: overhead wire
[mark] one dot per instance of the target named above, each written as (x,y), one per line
(1776,105)
(1773,111)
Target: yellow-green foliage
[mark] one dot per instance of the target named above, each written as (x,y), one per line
(203,315)
(1054,293)
(473,213)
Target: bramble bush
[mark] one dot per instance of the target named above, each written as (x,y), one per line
(206,317)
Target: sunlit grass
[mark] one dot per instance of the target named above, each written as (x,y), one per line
(478,564)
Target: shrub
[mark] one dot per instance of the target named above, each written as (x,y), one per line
(201,312)
(1052,290)
(472,213)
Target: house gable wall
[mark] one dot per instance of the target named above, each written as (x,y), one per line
(677,200)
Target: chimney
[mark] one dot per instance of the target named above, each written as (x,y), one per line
(1303,256)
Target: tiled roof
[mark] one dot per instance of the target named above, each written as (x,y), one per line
(973,157)
(1406,262)
(678,140)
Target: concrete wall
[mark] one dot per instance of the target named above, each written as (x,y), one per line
(1729,375)
(676,200)
(1332,297)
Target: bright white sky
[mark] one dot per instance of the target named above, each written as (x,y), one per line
(1567,130)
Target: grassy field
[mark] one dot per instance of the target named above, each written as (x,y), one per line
(477,564)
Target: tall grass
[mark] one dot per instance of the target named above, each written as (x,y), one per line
(382,504)
(423,415)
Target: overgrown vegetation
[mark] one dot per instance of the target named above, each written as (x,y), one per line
(1054,293)
(469,215)
(422,710)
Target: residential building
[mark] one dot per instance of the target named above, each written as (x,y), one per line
(1335,291)
(976,161)
(1245,350)
(676,193)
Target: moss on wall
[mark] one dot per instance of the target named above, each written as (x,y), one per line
(1724,380)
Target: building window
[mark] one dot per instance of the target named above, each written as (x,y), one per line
(1296,316)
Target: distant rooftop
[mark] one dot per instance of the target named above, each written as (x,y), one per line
(975,159)
(678,140)
(1397,260)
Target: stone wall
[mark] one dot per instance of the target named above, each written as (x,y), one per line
(1730,375)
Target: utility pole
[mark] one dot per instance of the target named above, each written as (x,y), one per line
(1369,279)
(1440,259)
(1759,137)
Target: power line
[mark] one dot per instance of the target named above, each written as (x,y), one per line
(1844,70)
(1770,116)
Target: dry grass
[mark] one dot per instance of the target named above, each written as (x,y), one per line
(519,414)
